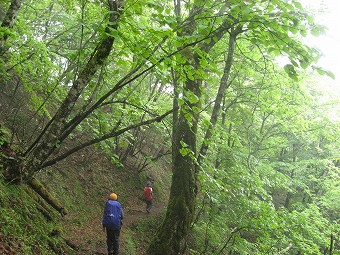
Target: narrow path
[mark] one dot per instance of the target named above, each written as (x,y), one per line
(92,240)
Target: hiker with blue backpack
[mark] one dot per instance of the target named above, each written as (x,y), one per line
(112,222)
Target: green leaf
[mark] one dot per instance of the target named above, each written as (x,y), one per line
(298,5)
(303,33)
(322,71)
(274,51)
(290,70)
(315,31)
(293,29)
(304,64)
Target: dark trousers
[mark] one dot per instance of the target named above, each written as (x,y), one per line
(112,241)
(148,205)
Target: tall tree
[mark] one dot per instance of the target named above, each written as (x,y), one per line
(181,208)
(263,29)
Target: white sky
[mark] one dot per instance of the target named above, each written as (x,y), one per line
(327,12)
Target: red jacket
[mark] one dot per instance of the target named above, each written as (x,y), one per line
(148,193)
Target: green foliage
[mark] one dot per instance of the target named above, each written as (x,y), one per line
(266,170)
(269,177)
(130,246)
(322,71)
(290,70)
(146,228)
(4,135)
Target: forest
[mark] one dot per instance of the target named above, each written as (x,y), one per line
(227,93)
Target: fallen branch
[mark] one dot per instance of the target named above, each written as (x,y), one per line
(38,187)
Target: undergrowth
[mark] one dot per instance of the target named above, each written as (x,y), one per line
(27,225)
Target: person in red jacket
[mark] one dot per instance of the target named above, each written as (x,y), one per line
(148,196)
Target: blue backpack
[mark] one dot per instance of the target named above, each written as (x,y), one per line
(113,214)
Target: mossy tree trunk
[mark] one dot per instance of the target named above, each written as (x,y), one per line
(170,238)
(38,187)
(172,234)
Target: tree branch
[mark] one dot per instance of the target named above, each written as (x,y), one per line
(111,134)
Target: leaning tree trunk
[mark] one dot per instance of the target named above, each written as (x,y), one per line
(220,94)
(52,136)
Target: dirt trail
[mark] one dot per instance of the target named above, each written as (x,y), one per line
(96,239)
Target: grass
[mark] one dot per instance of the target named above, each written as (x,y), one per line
(130,246)
(23,225)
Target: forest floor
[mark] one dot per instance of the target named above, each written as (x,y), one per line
(96,176)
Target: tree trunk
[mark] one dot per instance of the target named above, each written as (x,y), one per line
(220,94)
(331,245)
(38,187)
(8,22)
(171,236)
